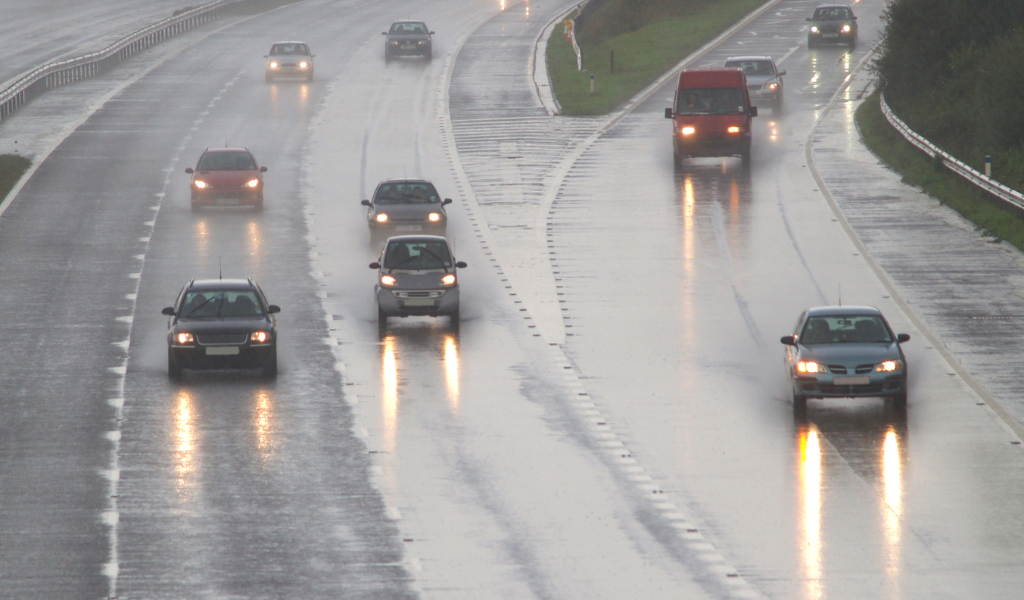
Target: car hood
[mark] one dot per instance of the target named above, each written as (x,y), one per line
(223,325)
(407,37)
(756,80)
(417,280)
(227,177)
(401,210)
(850,354)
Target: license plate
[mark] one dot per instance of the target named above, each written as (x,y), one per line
(419,302)
(408,228)
(226,201)
(862,380)
(408,47)
(221,350)
(830,35)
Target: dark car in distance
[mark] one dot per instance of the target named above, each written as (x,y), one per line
(227,177)
(221,324)
(408,38)
(832,24)
(416,276)
(406,206)
(845,352)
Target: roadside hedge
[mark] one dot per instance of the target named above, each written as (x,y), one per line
(12,167)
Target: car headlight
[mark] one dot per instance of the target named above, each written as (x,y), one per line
(259,337)
(387,280)
(888,366)
(253,183)
(688,130)
(421,43)
(184,338)
(846,29)
(394,43)
(273,64)
(303,64)
(809,366)
(381,218)
(773,86)
(448,279)
(199,184)
(733,129)
(434,217)
(814,29)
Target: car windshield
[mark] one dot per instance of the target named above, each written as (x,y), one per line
(221,303)
(226,161)
(406,192)
(710,101)
(753,68)
(411,29)
(856,329)
(417,255)
(832,13)
(287,49)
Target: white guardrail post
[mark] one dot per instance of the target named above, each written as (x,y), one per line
(52,75)
(995,188)
(572,36)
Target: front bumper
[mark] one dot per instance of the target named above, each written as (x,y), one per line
(712,145)
(404,303)
(413,49)
(222,356)
(828,385)
(227,196)
(406,227)
(831,37)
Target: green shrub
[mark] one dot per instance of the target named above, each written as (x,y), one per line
(12,167)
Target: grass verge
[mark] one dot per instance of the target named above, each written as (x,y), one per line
(640,57)
(12,167)
(918,170)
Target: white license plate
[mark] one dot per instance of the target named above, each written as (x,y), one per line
(419,302)
(830,35)
(408,47)
(408,228)
(227,201)
(221,350)
(862,380)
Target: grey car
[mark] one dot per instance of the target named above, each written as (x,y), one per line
(832,24)
(408,38)
(289,59)
(844,352)
(416,275)
(764,80)
(401,206)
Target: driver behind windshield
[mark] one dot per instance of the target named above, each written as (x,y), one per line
(417,256)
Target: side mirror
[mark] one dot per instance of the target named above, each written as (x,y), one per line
(263,169)
(788,340)
(365,203)
(753,111)
(855,18)
(903,337)
(432,33)
(808,19)
(169,311)
(460,265)
(446,201)
(385,33)
(781,73)
(312,55)
(375,265)
(189,170)
(273,308)
(266,56)
(668,113)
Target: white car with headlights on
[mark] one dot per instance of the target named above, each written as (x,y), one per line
(764,80)
(289,59)
(845,351)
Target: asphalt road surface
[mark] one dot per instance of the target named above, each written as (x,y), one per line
(611,418)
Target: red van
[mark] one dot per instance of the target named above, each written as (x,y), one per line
(711,114)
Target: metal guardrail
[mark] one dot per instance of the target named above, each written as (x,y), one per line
(56,74)
(572,36)
(959,167)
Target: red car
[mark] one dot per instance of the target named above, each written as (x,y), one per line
(227,177)
(711,115)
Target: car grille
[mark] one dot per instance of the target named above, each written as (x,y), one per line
(420,294)
(754,88)
(221,339)
(853,390)
(837,369)
(861,369)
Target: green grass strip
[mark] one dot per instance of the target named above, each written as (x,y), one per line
(12,167)
(641,57)
(990,215)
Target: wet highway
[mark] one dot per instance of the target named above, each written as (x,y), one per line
(611,418)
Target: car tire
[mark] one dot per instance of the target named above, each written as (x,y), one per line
(777,107)
(382,317)
(745,157)
(173,368)
(310,76)
(455,317)
(258,207)
(269,78)
(810,42)
(195,207)
(799,401)
(269,365)
(677,158)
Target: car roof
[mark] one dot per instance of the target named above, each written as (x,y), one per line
(416,22)
(222,150)
(749,58)
(288,42)
(418,238)
(842,310)
(202,285)
(383,181)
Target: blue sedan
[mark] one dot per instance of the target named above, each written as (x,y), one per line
(844,352)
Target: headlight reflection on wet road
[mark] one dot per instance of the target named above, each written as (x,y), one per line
(892,482)
(184,441)
(264,418)
(810,512)
(451,370)
(389,374)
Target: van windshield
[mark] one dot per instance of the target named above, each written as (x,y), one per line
(710,101)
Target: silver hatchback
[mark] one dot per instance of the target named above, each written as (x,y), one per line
(416,275)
